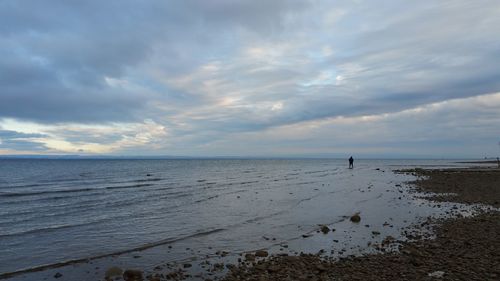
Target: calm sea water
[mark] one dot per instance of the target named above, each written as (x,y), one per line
(58,210)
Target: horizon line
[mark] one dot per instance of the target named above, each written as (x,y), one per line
(186,157)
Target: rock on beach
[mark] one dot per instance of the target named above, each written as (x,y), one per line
(355,218)
(132,275)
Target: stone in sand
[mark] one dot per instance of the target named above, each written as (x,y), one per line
(132,275)
(356,218)
(249,257)
(437,274)
(261,253)
(112,272)
(325,229)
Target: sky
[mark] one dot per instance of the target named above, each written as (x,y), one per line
(256,78)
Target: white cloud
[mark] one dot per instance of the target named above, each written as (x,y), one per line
(277,106)
(456,128)
(92,139)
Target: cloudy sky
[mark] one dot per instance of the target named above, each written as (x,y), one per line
(250,78)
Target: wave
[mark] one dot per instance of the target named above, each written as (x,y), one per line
(247,182)
(306,183)
(147,180)
(25,185)
(45,229)
(63,191)
(129,186)
(31,193)
(206,199)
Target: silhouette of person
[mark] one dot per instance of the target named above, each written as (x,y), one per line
(351,163)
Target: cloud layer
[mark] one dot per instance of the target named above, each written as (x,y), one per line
(160,77)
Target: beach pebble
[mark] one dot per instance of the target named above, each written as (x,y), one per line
(249,257)
(325,229)
(132,275)
(437,274)
(261,253)
(113,271)
(356,218)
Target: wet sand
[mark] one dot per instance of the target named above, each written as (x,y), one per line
(464,248)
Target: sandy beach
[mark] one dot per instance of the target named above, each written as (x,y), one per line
(463,248)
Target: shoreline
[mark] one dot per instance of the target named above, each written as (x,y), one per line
(464,248)
(432,188)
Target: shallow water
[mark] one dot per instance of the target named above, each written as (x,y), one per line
(53,211)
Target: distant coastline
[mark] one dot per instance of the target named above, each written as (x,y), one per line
(479,162)
(464,160)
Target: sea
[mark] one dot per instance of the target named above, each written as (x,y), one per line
(79,216)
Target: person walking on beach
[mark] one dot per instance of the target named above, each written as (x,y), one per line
(351,163)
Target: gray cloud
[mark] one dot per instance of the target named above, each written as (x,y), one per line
(20,141)
(206,70)
(55,57)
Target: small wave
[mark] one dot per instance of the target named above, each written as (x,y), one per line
(63,191)
(45,229)
(147,180)
(175,196)
(129,186)
(248,182)
(26,185)
(206,199)
(17,201)
(286,179)
(218,185)
(31,193)
(60,180)
(306,183)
